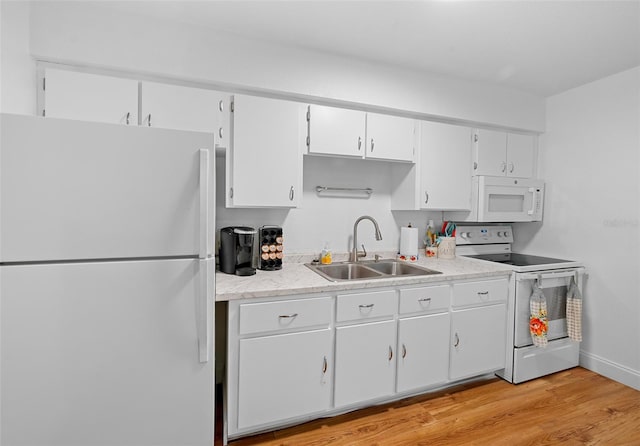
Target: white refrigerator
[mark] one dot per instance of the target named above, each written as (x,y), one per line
(106,284)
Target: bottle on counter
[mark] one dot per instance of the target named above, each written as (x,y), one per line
(431,234)
(325,256)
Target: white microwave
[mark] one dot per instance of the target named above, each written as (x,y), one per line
(503,199)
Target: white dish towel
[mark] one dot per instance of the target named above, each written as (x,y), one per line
(574,312)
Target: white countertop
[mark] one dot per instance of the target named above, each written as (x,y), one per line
(296,278)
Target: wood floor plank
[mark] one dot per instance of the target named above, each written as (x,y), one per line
(573,407)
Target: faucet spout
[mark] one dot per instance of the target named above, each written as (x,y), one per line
(355,254)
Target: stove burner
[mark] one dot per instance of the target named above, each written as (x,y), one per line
(514,259)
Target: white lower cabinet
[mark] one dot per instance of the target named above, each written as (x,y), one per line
(478,328)
(478,341)
(365,362)
(284,376)
(423,351)
(291,359)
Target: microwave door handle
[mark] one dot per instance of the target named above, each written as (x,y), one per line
(533,201)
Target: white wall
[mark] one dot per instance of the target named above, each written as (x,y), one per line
(17,68)
(590,159)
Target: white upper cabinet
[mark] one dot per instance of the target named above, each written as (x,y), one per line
(503,154)
(441,179)
(89,97)
(335,131)
(390,138)
(184,108)
(445,166)
(352,133)
(264,163)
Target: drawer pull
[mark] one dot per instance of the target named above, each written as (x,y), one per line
(288,316)
(324,365)
(390,353)
(366,306)
(426,300)
(404,351)
(483,293)
(457,341)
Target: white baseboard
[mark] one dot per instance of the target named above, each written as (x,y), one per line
(610,369)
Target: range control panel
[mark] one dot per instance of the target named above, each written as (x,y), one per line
(482,235)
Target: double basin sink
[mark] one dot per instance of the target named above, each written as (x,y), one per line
(365,270)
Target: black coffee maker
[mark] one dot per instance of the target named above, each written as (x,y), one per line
(237,250)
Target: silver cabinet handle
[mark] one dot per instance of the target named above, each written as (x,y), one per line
(475,166)
(511,167)
(231,192)
(404,351)
(366,306)
(149,120)
(426,300)
(126,119)
(483,293)
(359,143)
(221,105)
(457,341)
(372,145)
(221,133)
(426,197)
(325,365)
(390,353)
(503,166)
(291,194)
(288,316)
(475,137)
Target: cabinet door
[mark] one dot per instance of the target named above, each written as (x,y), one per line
(445,166)
(390,138)
(265,160)
(283,376)
(184,108)
(90,97)
(423,351)
(520,155)
(336,131)
(365,362)
(490,153)
(478,341)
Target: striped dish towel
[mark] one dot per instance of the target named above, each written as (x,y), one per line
(538,320)
(574,312)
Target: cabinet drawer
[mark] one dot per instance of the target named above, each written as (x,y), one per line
(286,314)
(478,293)
(366,305)
(430,298)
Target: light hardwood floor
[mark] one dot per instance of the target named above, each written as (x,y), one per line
(574,407)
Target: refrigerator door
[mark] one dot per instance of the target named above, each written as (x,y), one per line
(106,353)
(85,190)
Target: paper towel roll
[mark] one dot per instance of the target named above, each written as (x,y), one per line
(408,241)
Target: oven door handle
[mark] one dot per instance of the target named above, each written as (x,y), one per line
(550,275)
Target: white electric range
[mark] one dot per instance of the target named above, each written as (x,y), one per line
(524,361)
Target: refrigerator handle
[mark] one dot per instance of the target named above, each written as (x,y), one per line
(202,315)
(205,186)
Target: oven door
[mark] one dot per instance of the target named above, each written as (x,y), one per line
(554,285)
(509,199)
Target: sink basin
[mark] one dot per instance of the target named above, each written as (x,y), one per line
(369,270)
(394,268)
(344,271)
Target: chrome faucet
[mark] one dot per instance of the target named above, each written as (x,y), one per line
(355,254)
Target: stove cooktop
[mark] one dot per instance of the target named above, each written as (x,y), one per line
(512,258)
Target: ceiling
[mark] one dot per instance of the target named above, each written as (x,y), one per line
(541,47)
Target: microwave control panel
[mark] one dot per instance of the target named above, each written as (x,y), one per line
(481,235)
